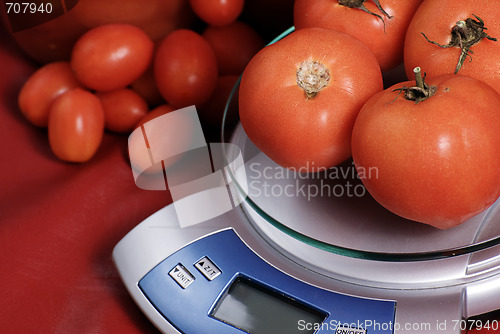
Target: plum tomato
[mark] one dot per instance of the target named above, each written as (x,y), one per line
(156,112)
(146,87)
(300,96)
(139,161)
(123,108)
(381,25)
(111,56)
(433,149)
(76,125)
(217,12)
(234,45)
(459,36)
(185,69)
(177,136)
(42,87)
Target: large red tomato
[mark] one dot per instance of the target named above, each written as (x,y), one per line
(383,35)
(300,96)
(436,161)
(434,22)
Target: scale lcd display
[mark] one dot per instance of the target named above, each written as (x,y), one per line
(256,309)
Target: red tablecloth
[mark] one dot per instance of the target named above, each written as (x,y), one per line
(59,223)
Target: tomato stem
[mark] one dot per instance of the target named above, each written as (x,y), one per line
(465,34)
(359,4)
(420,92)
(418,77)
(312,76)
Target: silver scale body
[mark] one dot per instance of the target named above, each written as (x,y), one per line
(432,296)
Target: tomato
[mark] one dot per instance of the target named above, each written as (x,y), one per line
(42,87)
(217,12)
(384,36)
(123,108)
(141,162)
(437,161)
(234,45)
(185,69)
(299,97)
(146,87)
(436,19)
(168,140)
(156,112)
(76,125)
(111,56)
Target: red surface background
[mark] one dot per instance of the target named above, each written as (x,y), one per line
(59,223)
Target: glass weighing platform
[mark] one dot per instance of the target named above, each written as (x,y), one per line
(307,254)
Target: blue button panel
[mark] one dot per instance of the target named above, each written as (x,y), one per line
(189,308)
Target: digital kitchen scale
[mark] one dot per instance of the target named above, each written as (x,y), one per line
(306,254)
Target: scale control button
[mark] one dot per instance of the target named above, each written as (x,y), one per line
(207,268)
(181,275)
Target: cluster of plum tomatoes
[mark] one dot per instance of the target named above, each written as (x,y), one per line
(117,78)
